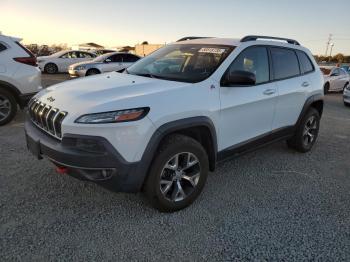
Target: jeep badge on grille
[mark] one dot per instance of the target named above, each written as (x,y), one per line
(50,99)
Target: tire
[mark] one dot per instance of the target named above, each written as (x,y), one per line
(92,71)
(306,133)
(346,104)
(192,160)
(345,86)
(8,107)
(326,88)
(50,68)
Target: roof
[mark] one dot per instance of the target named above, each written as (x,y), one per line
(92,45)
(213,41)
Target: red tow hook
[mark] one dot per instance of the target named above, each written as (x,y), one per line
(61,170)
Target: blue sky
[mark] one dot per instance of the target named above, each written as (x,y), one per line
(114,23)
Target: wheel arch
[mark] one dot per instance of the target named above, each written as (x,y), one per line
(199,128)
(12,89)
(92,69)
(315,101)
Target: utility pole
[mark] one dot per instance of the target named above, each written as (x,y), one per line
(329,41)
(332,44)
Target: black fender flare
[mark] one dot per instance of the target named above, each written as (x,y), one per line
(166,129)
(307,105)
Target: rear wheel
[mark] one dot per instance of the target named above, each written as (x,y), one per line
(8,107)
(93,71)
(50,68)
(346,104)
(178,174)
(326,88)
(306,133)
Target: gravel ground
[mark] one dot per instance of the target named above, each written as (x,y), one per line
(272,204)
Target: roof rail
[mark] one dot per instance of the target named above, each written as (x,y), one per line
(256,37)
(191,38)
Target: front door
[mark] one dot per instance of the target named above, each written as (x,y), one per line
(247,111)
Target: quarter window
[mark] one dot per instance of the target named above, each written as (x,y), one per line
(2,47)
(305,63)
(285,63)
(254,60)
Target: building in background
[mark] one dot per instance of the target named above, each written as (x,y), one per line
(145,48)
(88,47)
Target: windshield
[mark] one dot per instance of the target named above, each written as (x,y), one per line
(182,62)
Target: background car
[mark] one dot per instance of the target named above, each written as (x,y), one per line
(335,79)
(346,96)
(106,63)
(60,61)
(346,68)
(99,52)
(20,78)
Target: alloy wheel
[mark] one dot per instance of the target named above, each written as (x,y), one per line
(310,131)
(180,176)
(5,107)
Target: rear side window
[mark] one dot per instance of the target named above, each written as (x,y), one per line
(305,63)
(285,63)
(2,47)
(254,60)
(128,58)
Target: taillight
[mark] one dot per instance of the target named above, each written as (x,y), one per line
(31,60)
(26,60)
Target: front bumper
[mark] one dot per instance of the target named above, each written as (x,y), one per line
(99,163)
(76,73)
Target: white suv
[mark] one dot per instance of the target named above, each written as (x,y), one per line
(20,77)
(162,125)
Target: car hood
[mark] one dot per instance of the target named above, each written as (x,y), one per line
(106,92)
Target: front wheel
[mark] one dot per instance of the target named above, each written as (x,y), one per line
(326,88)
(93,71)
(306,133)
(51,68)
(178,174)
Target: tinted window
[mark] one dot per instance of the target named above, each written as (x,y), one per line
(2,47)
(285,63)
(305,62)
(128,58)
(255,60)
(116,58)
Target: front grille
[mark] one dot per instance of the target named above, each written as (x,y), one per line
(46,117)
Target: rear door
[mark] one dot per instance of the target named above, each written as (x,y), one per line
(292,86)
(247,111)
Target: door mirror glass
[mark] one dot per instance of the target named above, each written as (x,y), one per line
(240,78)
(108,60)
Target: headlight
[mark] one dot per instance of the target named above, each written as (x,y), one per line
(80,68)
(114,116)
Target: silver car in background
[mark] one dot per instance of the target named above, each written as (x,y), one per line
(335,79)
(109,62)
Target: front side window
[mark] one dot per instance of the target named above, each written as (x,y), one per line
(305,62)
(285,63)
(254,60)
(128,58)
(182,62)
(115,59)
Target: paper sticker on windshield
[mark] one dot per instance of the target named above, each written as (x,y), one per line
(211,50)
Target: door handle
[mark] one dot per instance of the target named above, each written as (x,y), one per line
(305,84)
(269,92)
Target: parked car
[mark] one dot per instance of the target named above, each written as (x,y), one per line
(99,52)
(60,61)
(346,68)
(346,96)
(104,63)
(162,129)
(335,78)
(20,78)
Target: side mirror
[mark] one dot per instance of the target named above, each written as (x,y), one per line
(239,78)
(108,60)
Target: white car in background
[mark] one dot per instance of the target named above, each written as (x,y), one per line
(335,79)
(20,77)
(105,63)
(60,61)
